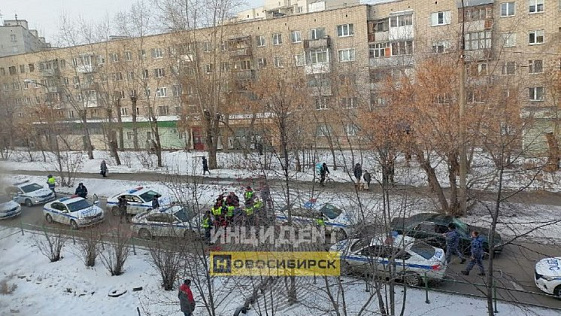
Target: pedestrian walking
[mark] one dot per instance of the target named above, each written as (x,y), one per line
(367,179)
(476,254)
(205,166)
(51,182)
(122,205)
(323,171)
(357,171)
(103,168)
(156,202)
(81,190)
(186,300)
(452,243)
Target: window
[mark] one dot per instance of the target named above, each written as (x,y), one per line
(114,57)
(260,40)
(145,74)
(279,62)
(319,82)
(207,46)
(176,90)
(118,76)
(535,66)
(12,70)
(440,47)
(209,68)
(507,9)
(477,69)
(508,68)
(225,66)
(130,75)
(440,18)
(13,38)
(321,103)
(402,48)
(2,71)
(21,69)
(128,56)
(299,60)
(349,103)
(535,37)
(317,33)
(296,36)
(347,55)
(323,130)
(161,92)
(378,50)
(535,6)
(141,54)
(478,40)
(318,56)
(477,13)
(159,72)
(130,135)
(147,92)
(351,130)
(261,63)
(401,20)
(157,53)
(508,39)
(163,110)
(536,93)
(62,64)
(345,30)
(277,39)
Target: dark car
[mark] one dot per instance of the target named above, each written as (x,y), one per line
(431,226)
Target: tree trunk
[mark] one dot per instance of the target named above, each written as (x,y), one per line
(453,170)
(88,140)
(121,140)
(134,128)
(433,181)
(552,153)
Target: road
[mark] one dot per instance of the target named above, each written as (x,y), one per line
(514,268)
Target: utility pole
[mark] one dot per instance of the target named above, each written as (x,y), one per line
(462,104)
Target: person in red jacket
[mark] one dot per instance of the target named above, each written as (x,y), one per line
(186,300)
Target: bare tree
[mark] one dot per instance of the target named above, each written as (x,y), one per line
(51,243)
(116,250)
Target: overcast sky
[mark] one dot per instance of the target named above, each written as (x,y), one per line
(44,15)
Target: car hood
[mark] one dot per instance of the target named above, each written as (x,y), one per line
(549,267)
(89,211)
(7,206)
(39,192)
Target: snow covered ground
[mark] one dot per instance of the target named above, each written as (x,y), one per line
(68,288)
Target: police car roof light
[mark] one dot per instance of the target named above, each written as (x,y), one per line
(132,190)
(139,188)
(64,199)
(73,196)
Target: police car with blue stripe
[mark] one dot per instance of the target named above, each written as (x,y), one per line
(139,200)
(547,275)
(74,211)
(335,220)
(9,209)
(30,193)
(412,259)
(170,221)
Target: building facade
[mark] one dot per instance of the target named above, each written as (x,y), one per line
(17,38)
(344,55)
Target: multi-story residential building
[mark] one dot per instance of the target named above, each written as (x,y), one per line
(344,55)
(17,38)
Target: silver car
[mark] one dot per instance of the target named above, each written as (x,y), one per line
(172,221)
(9,209)
(30,193)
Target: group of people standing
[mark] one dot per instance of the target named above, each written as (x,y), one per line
(228,210)
(452,244)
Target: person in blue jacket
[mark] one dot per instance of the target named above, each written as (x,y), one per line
(476,254)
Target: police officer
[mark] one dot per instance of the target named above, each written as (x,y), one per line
(248,195)
(81,191)
(122,205)
(156,202)
(207,220)
(452,243)
(51,182)
(476,254)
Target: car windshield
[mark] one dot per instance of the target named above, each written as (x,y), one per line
(422,249)
(330,211)
(31,187)
(78,205)
(184,214)
(148,196)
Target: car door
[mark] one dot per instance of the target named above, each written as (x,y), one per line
(56,211)
(156,223)
(16,194)
(134,204)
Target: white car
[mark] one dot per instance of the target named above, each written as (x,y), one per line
(74,211)
(171,221)
(138,200)
(30,193)
(336,220)
(547,275)
(413,258)
(9,209)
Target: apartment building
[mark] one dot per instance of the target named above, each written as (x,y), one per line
(17,38)
(343,54)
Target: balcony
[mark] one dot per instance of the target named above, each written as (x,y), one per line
(479,54)
(318,68)
(392,61)
(240,52)
(84,69)
(49,72)
(322,91)
(245,74)
(317,43)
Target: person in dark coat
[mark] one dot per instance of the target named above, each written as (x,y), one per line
(122,205)
(186,300)
(232,200)
(205,166)
(81,190)
(367,179)
(323,171)
(476,254)
(156,202)
(357,171)
(452,244)
(103,168)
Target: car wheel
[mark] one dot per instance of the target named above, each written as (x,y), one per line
(345,268)
(412,279)
(557,291)
(144,234)
(28,203)
(115,211)
(74,225)
(49,218)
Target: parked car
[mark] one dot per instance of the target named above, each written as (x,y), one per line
(30,193)
(9,208)
(171,221)
(139,200)
(430,227)
(413,258)
(547,275)
(74,211)
(336,219)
